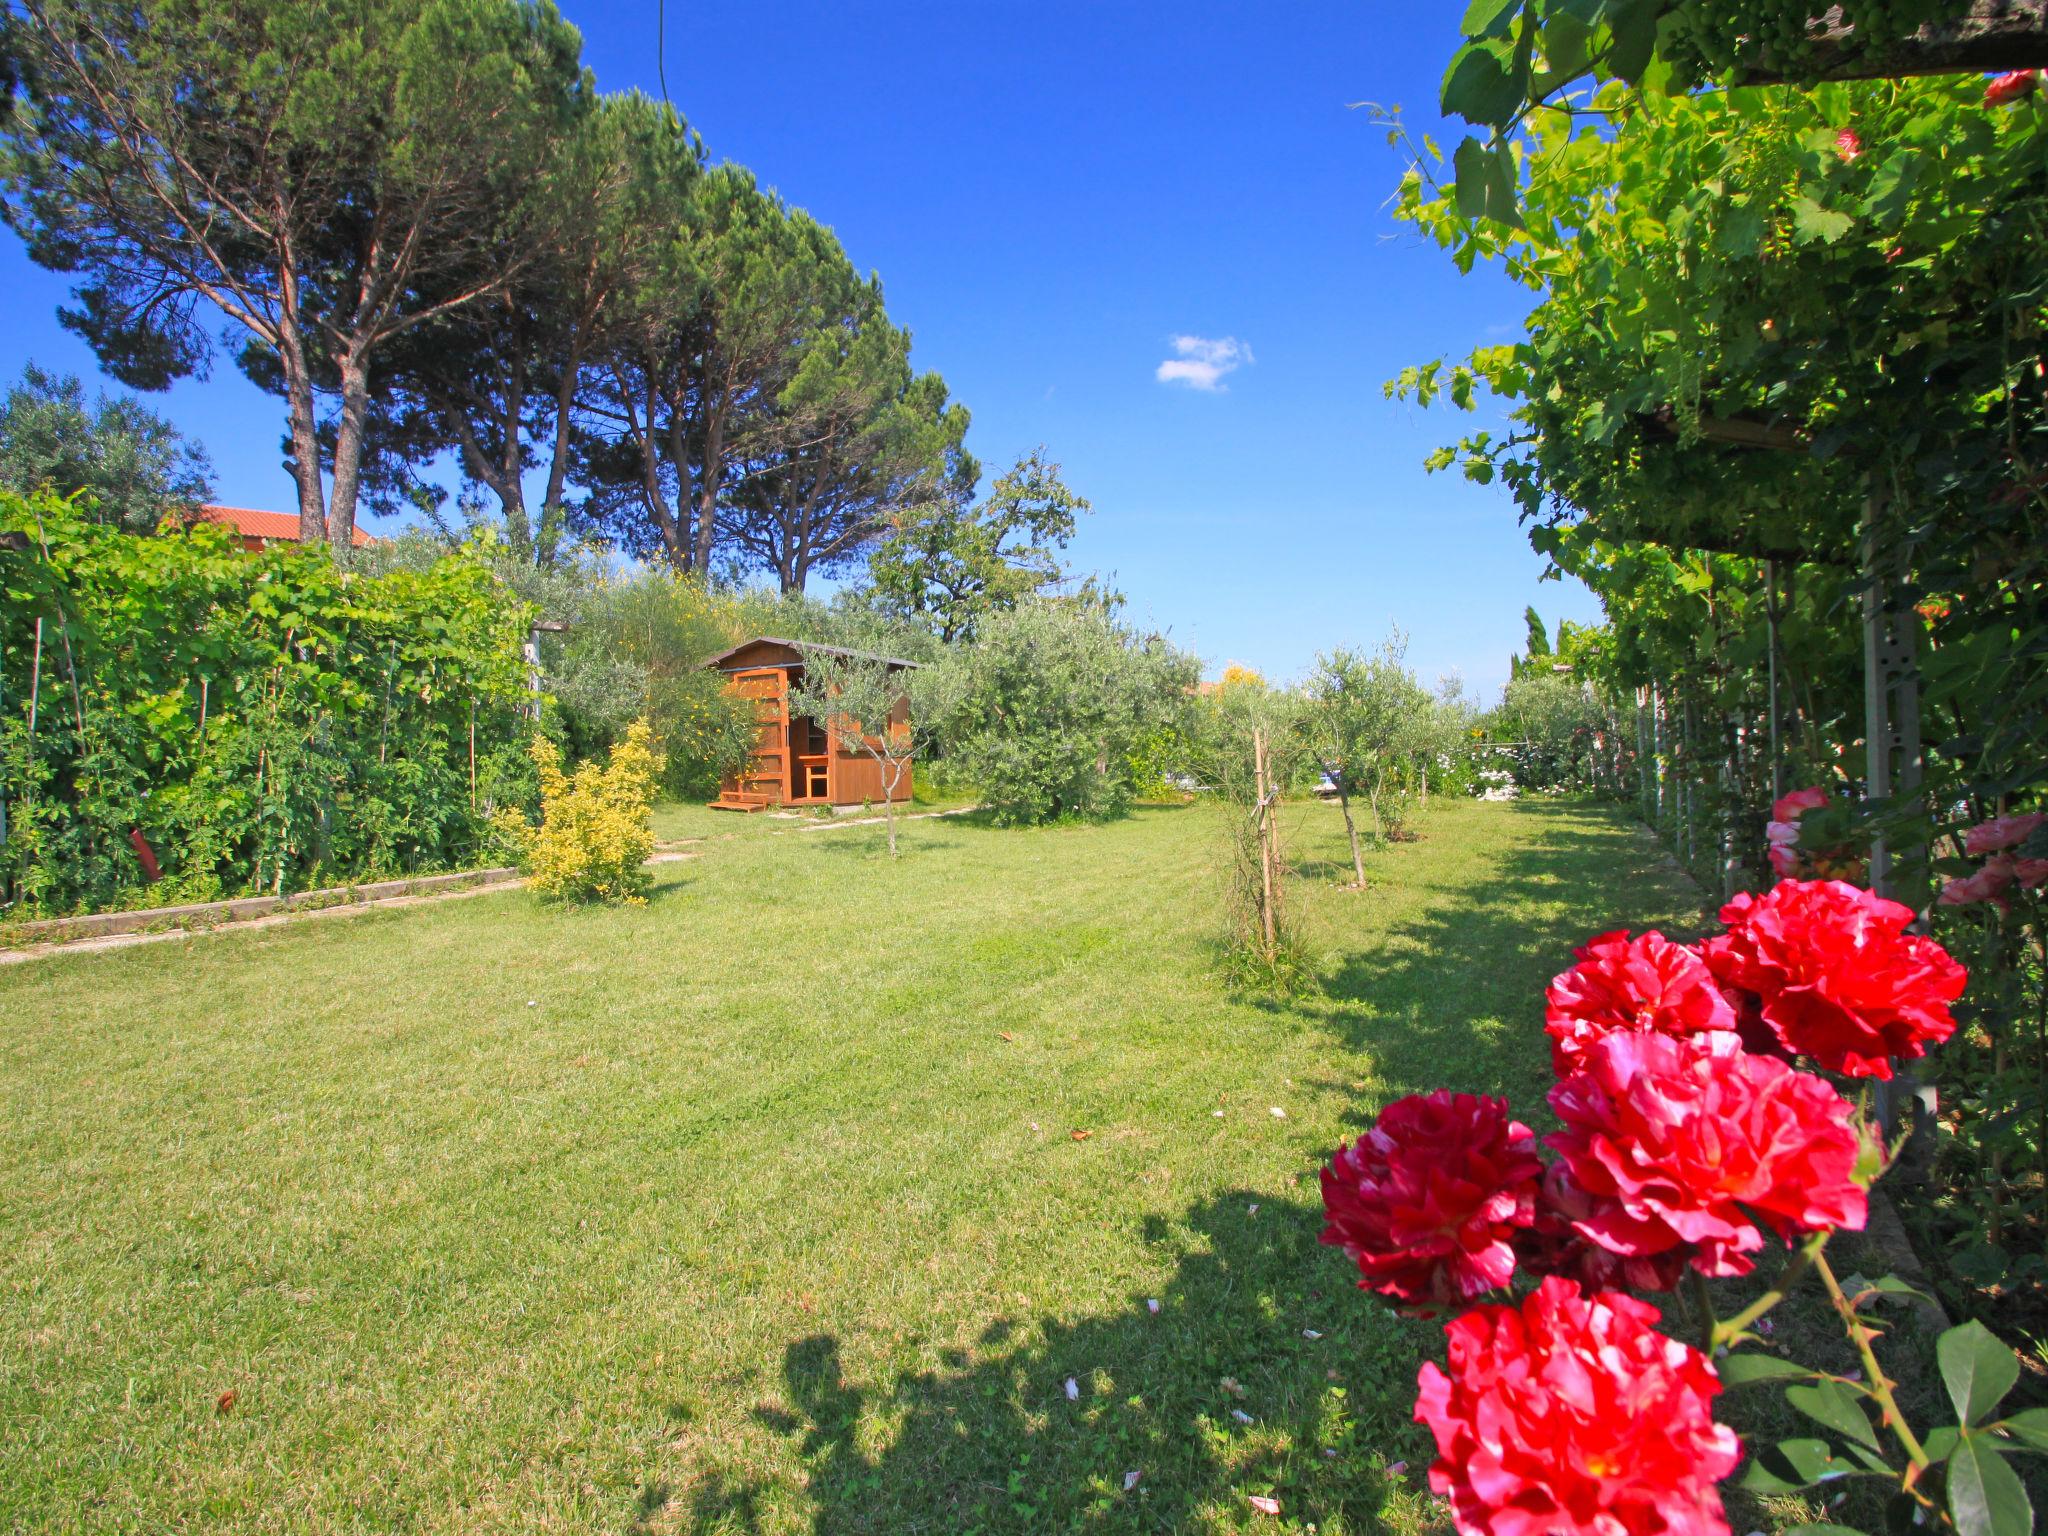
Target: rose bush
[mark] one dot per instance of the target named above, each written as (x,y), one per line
(1566,1410)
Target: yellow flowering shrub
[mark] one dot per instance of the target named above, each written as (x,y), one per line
(596,827)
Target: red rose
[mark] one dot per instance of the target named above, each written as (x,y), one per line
(1571,1414)
(1680,1146)
(1847,145)
(1835,974)
(1554,1245)
(1620,983)
(2000,872)
(2001,833)
(1782,831)
(2009,87)
(1429,1200)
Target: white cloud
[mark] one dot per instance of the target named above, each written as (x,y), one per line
(1201,363)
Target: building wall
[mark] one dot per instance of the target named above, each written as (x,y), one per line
(859,778)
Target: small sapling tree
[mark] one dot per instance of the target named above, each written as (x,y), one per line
(883,708)
(1358,717)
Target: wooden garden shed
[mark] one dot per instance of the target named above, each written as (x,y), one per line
(796,760)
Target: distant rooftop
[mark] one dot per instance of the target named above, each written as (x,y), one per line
(260,528)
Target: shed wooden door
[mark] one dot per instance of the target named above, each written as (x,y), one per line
(767,775)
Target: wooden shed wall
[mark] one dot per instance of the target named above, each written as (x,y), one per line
(855,776)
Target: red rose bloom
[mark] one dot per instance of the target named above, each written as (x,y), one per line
(1554,1245)
(1571,1414)
(2001,833)
(1782,831)
(1680,1146)
(1622,983)
(2009,87)
(1835,974)
(1427,1203)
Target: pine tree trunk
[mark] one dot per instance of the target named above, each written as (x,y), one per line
(305,441)
(348,453)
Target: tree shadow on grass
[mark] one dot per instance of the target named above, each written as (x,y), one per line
(1257,1319)
(873,842)
(1453,998)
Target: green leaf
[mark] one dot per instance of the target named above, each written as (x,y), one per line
(1985,1497)
(1748,1370)
(1834,1405)
(1811,222)
(1483,84)
(1891,186)
(1565,45)
(1634,25)
(1490,18)
(1822,1530)
(1486,182)
(1977,1369)
(2029,1428)
(1892,1285)
(1791,1465)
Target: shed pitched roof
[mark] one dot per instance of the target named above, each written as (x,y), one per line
(807,645)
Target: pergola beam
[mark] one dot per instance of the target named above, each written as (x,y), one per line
(1992,37)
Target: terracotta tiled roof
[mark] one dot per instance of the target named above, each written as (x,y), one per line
(269,526)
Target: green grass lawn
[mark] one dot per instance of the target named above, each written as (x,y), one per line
(685,821)
(761,1207)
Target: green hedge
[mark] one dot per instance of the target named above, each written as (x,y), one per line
(264,721)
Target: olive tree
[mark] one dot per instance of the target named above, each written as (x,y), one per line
(1362,715)
(130,464)
(1052,700)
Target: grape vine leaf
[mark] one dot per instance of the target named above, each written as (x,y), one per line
(1811,222)
(1486,182)
(1486,82)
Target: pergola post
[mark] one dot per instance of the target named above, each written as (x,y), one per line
(1646,762)
(529,651)
(1891,717)
(1773,706)
(1893,758)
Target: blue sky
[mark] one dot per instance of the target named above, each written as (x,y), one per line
(1052,194)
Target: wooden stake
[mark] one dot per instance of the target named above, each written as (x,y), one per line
(472,757)
(35,687)
(1266,925)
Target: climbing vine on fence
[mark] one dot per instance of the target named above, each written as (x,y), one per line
(183,715)
(1785,361)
